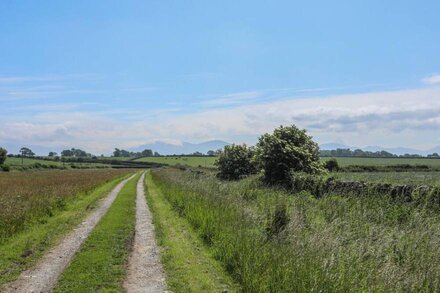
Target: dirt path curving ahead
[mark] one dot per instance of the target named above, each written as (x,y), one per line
(43,277)
(145,272)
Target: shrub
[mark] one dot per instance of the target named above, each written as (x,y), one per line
(5,168)
(3,155)
(279,221)
(235,161)
(331,165)
(287,149)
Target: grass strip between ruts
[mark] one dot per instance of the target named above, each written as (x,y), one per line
(100,265)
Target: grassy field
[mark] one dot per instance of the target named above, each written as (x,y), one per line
(27,199)
(190,161)
(189,266)
(209,161)
(100,265)
(273,241)
(386,161)
(16,163)
(37,211)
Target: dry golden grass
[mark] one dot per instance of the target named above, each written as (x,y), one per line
(29,197)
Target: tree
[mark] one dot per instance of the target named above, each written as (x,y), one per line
(331,165)
(147,153)
(67,153)
(78,153)
(235,161)
(3,155)
(211,153)
(156,154)
(124,153)
(52,154)
(117,152)
(287,149)
(26,152)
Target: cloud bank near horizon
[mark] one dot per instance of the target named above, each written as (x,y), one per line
(388,118)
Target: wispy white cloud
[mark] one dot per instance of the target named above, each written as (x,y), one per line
(232,99)
(389,118)
(49,77)
(432,79)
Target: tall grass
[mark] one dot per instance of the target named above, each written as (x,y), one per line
(272,241)
(414,178)
(27,198)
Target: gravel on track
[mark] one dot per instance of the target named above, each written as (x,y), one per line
(145,272)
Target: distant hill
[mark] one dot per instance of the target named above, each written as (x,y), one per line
(183,148)
(333,146)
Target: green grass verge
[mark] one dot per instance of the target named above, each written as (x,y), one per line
(189,265)
(100,263)
(23,250)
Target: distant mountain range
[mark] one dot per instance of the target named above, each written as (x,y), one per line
(396,150)
(189,148)
(183,148)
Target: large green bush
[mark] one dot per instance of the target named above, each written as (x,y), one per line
(235,161)
(3,154)
(332,165)
(287,149)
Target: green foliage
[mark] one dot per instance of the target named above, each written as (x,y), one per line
(331,165)
(3,155)
(5,168)
(26,152)
(417,195)
(147,153)
(328,244)
(279,221)
(235,161)
(287,149)
(356,153)
(75,153)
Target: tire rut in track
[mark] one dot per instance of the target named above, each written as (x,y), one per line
(145,272)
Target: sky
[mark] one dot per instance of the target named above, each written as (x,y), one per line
(103,74)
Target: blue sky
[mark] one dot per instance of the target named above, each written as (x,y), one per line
(100,74)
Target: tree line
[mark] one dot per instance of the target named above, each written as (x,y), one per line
(367,154)
(127,154)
